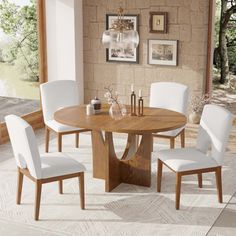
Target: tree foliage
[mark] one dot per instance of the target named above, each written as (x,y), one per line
(225,27)
(20,24)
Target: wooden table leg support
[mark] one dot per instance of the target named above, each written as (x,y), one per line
(112,164)
(133,168)
(137,170)
(99,153)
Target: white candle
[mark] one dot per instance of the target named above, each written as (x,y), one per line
(140,93)
(90,110)
(132,87)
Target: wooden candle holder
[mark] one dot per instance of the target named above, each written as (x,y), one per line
(133,104)
(140,106)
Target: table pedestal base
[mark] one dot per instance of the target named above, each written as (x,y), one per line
(133,168)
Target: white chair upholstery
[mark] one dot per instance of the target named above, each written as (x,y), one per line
(172,96)
(207,156)
(57,164)
(60,128)
(56,95)
(184,159)
(24,145)
(39,168)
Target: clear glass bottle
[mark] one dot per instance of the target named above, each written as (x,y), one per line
(117,110)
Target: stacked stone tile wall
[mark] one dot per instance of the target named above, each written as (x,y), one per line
(187,23)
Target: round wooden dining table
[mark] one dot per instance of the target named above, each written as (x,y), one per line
(134,167)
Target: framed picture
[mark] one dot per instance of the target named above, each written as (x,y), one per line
(128,55)
(158,22)
(162,52)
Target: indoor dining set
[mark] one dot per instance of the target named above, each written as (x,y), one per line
(164,118)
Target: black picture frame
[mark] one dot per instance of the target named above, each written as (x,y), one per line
(112,55)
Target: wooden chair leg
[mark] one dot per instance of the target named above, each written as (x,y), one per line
(182,138)
(59,142)
(219,184)
(47,137)
(19,187)
(77,140)
(60,184)
(199,175)
(159,175)
(37,199)
(81,188)
(172,143)
(178,190)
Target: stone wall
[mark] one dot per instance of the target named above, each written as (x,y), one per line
(188,23)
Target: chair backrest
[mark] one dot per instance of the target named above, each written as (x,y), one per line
(56,95)
(24,145)
(215,125)
(169,95)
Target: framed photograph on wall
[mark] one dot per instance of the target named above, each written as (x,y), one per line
(162,52)
(158,22)
(127,55)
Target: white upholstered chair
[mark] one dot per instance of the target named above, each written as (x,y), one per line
(56,95)
(39,168)
(172,96)
(207,156)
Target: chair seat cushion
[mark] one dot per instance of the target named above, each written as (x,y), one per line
(57,164)
(171,133)
(184,159)
(58,127)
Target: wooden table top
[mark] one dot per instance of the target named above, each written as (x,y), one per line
(154,120)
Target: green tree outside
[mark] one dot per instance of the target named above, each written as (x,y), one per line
(225,40)
(19,23)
